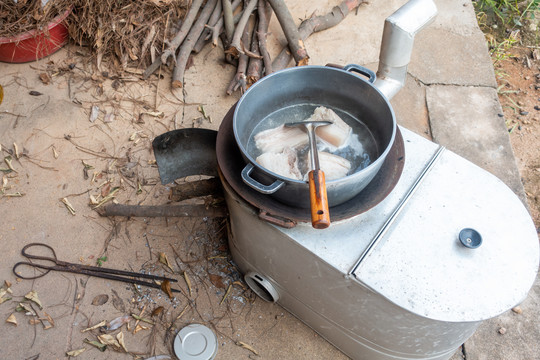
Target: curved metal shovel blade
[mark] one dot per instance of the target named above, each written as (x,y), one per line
(185,152)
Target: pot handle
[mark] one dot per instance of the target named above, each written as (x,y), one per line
(265,189)
(361,70)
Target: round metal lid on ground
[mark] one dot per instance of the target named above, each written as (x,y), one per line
(195,342)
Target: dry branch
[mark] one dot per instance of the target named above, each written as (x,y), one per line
(184,29)
(254,70)
(265,13)
(295,42)
(315,24)
(162,211)
(189,43)
(147,41)
(239,79)
(235,48)
(194,189)
(176,41)
(214,18)
(218,27)
(228,19)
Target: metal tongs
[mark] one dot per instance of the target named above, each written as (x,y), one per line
(58,265)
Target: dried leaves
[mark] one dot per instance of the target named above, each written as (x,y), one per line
(94,113)
(8,160)
(200,109)
(98,325)
(28,311)
(101,347)
(11,319)
(20,16)
(139,318)
(217,281)
(107,339)
(75,353)
(165,261)
(38,316)
(33,296)
(100,299)
(4,293)
(68,205)
(86,167)
(120,339)
(157,311)
(110,196)
(188,282)
(227,293)
(166,287)
(45,78)
(247,346)
(123,26)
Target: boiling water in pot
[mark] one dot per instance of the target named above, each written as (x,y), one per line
(360,149)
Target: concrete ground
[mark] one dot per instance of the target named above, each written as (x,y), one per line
(450,96)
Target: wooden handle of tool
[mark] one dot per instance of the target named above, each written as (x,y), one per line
(320,215)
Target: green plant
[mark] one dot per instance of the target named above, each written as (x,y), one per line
(501,50)
(509,12)
(101,260)
(532,6)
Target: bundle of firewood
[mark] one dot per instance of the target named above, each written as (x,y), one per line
(242,27)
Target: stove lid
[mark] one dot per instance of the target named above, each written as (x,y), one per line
(422,264)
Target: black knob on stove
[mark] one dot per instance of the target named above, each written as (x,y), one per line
(470,238)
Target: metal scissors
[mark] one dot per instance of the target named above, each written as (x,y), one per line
(58,265)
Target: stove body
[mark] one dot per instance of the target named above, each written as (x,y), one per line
(395,282)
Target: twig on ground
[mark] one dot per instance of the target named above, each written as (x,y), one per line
(162,211)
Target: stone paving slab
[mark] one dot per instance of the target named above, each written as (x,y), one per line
(437,61)
(467,121)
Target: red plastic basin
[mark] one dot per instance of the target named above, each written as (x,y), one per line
(33,45)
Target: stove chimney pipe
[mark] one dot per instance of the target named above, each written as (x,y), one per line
(397,43)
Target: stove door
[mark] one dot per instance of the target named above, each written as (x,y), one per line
(422,265)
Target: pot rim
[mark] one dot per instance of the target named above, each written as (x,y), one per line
(377,163)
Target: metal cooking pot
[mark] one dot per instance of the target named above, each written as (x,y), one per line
(366,100)
(338,89)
